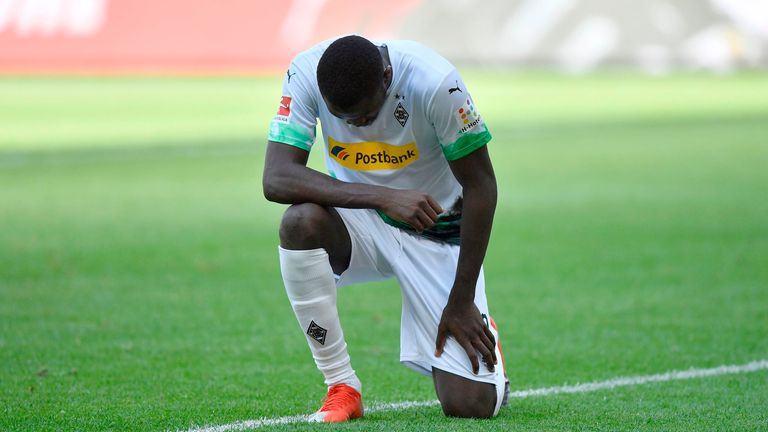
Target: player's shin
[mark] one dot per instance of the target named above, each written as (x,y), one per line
(311,288)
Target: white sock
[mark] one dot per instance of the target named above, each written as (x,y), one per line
(311,288)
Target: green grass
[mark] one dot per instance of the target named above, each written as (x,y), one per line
(139,285)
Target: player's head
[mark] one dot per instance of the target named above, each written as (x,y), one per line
(353,79)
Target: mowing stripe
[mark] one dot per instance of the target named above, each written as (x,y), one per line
(578,388)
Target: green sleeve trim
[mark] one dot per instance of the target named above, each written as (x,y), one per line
(291,134)
(466,144)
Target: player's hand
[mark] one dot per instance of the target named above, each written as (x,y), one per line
(417,209)
(465,323)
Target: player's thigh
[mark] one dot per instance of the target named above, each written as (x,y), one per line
(374,244)
(311,226)
(426,271)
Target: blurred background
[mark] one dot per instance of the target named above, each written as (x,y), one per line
(223,41)
(139,281)
(654,36)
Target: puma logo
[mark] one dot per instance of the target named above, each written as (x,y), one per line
(455,89)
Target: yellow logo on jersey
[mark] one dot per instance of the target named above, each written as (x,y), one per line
(372,155)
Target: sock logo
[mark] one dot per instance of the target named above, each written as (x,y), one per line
(316,332)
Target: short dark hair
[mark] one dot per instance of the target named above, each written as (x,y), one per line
(350,70)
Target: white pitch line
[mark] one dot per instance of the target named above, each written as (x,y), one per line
(645,379)
(692,373)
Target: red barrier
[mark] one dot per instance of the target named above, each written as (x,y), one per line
(198,36)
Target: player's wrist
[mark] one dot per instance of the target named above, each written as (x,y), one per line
(461,295)
(381,199)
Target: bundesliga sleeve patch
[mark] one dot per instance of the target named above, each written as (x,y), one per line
(284,110)
(285,106)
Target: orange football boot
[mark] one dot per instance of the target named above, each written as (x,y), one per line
(342,403)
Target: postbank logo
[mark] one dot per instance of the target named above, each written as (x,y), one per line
(340,152)
(372,155)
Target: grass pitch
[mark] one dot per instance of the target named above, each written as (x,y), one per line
(140,289)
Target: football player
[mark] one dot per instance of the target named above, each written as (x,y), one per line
(410,194)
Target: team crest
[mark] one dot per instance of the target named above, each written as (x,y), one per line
(401,115)
(316,332)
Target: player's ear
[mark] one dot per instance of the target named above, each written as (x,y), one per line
(387,76)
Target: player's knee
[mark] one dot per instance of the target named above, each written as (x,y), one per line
(303,225)
(459,405)
(460,397)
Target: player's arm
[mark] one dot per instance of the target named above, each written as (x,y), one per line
(463,136)
(461,318)
(288,180)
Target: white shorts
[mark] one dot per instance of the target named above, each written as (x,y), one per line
(425,270)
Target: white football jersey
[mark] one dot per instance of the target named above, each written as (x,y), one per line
(428,119)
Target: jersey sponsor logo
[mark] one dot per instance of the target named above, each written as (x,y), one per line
(289,75)
(401,115)
(469,126)
(372,155)
(340,152)
(467,116)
